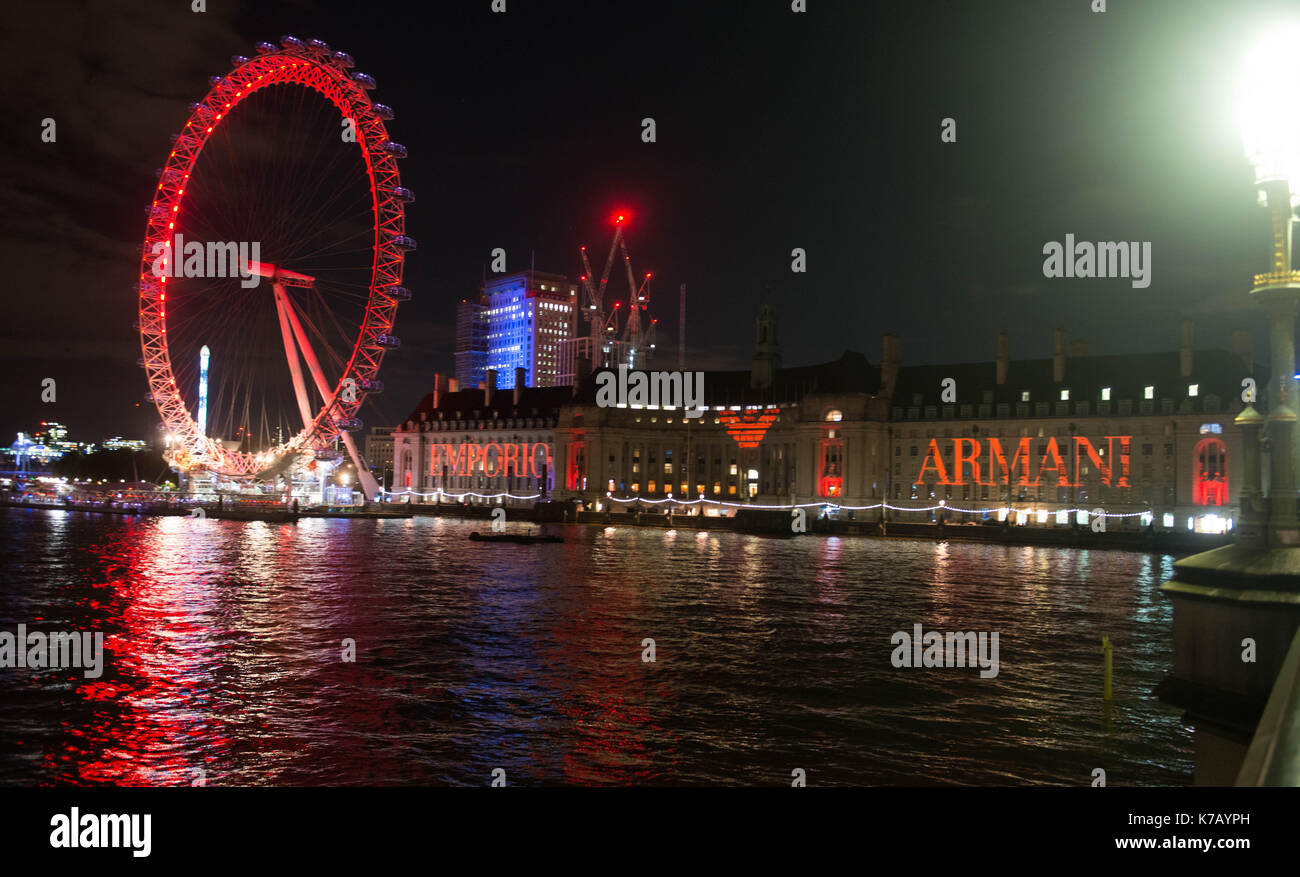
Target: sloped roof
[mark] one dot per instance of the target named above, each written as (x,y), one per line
(462,405)
(1218,372)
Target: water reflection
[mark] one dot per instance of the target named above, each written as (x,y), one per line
(226,641)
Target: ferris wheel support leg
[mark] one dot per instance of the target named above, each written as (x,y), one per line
(368,482)
(299,386)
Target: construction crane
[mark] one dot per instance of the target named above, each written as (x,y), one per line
(635,342)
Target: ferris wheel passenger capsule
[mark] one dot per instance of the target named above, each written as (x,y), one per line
(349,424)
(236,60)
(398,293)
(383,111)
(318,46)
(406,196)
(402,242)
(389,341)
(291,42)
(343,59)
(215,80)
(373,386)
(365,80)
(395,149)
(264,48)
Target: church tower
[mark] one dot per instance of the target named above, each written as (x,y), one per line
(767,349)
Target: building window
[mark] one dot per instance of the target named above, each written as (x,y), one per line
(1105,394)
(1065,395)
(1193,389)
(1024,395)
(835,415)
(1211,473)
(832,476)
(1149,392)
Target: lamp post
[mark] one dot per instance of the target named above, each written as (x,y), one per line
(1251,588)
(1270,128)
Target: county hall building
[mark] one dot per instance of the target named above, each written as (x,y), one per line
(1149,435)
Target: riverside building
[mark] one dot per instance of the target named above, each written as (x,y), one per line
(1039,442)
(1148,436)
(468,445)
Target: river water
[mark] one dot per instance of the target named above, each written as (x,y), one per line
(223,658)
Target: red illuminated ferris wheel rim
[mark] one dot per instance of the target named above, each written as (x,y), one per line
(309,66)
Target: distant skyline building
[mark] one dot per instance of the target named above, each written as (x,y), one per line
(519,322)
(471,343)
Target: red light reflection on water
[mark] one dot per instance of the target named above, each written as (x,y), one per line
(157,663)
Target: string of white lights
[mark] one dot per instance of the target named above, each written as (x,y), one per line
(859,508)
(803,505)
(461,495)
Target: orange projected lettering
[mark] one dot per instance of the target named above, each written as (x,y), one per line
(969,452)
(960,459)
(1022,457)
(938,464)
(523,459)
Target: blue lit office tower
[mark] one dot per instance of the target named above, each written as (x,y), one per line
(522,319)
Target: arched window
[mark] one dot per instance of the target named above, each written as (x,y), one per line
(1210,473)
(835,415)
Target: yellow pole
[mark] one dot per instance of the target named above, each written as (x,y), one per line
(1106,651)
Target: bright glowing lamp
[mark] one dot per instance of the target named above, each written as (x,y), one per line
(1267,109)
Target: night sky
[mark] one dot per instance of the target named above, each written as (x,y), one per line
(775,130)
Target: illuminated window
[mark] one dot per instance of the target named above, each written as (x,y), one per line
(1210,473)
(1193,389)
(1105,394)
(835,414)
(1024,395)
(1149,392)
(1214,428)
(1065,395)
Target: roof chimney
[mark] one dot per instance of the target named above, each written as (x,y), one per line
(1058,356)
(889,362)
(439,389)
(519,384)
(583,373)
(1186,345)
(490,387)
(1004,356)
(1241,346)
